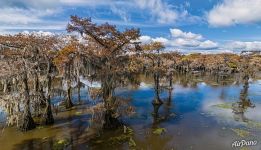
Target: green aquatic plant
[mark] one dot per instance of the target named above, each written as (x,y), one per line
(78,113)
(223,105)
(119,139)
(61,144)
(40,127)
(125,137)
(241,133)
(132,143)
(254,124)
(159,131)
(245,148)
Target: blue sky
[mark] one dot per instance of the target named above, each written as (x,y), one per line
(183,25)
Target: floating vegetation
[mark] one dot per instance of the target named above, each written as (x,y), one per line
(132,143)
(61,144)
(241,133)
(40,127)
(125,137)
(245,148)
(78,113)
(119,139)
(159,131)
(254,124)
(223,106)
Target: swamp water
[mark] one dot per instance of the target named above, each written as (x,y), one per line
(193,116)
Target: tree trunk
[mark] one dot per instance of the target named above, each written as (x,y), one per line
(155,113)
(5,86)
(157,100)
(49,115)
(27,120)
(170,81)
(69,103)
(110,121)
(36,92)
(78,83)
(79,89)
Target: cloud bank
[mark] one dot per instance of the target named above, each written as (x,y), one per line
(233,12)
(183,40)
(189,42)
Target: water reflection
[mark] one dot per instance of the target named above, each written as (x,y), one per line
(240,107)
(191,108)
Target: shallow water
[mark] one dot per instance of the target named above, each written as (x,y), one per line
(192,118)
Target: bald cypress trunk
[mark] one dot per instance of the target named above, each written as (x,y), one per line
(49,115)
(78,82)
(79,89)
(36,91)
(157,100)
(110,121)
(68,102)
(27,122)
(155,113)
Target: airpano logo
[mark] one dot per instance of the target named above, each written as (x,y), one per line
(244,143)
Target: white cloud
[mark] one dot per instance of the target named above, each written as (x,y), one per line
(15,15)
(162,11)
(208,45)
(188,42)
(145,39)
(159,10)
(177,33)
(238,45)
(161,39)
(22,16)
(28,4)
(24,12)
(19,15)
(42,25)
(121,12)
(86,2)
(183,40)
(231,12)
(40,33)
(34,13)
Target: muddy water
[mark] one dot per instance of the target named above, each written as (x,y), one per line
(192,117)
